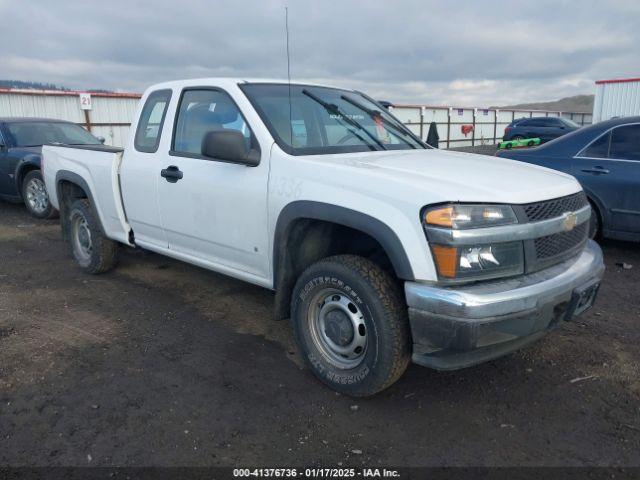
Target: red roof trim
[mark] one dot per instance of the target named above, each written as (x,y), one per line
(618,80)
(67,93)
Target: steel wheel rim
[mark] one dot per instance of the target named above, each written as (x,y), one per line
(36,195)
(337,328)
(81,236)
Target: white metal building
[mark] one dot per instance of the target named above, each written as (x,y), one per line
(109,115)
(105,115)
(616,98)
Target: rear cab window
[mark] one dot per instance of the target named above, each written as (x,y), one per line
(151,121)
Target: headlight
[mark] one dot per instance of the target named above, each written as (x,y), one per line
(459,262)
(460,216)
(479,262)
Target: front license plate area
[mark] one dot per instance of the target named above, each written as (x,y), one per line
(582,299)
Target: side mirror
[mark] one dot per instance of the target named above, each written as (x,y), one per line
(101,139)
(229,145)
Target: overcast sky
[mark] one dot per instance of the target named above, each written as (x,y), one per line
(448,52)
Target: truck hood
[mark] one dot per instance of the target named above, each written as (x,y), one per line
(438,176)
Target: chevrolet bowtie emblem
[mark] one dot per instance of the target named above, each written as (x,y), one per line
(570,221)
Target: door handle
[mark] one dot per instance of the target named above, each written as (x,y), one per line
(172,174)
(596,170)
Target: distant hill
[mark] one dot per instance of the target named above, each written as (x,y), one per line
(42,86)
(577,103)
(30,85)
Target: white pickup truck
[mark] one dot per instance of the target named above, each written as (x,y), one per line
(380,249)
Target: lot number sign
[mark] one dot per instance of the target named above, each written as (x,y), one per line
(85,101)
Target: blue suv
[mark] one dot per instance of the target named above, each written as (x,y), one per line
(544,128)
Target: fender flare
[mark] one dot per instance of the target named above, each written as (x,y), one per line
(26,163)
(305,209)
(68,176)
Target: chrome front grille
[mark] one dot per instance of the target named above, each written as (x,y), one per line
(548,250)
(559,243)
(537,211)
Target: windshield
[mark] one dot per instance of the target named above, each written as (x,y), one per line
(570,123)
(34,134)
(323,120)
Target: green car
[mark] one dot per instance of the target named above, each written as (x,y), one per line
(525,142)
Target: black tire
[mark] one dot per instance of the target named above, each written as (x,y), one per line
(595,223)
(377,299)
(530,143)
(35,197)
(93,252)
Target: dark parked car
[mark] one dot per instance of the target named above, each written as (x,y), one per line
(21,141)
(605,158)
(544,128)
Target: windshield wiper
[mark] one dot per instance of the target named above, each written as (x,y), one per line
(335,110)
(376,114)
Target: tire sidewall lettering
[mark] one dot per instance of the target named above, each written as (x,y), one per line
(342,377)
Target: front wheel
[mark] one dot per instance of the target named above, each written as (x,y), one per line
(92,250)
(350,322)
(35,196)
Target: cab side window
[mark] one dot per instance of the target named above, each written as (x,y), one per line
(599,148)
(202,111)
(538,122)
(625,143)
(151,121)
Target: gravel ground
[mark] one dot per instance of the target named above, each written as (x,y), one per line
(161,363)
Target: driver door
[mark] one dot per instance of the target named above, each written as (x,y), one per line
(213,212)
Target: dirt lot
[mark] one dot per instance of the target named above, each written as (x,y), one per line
(161,363)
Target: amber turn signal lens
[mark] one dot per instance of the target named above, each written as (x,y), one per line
(440,216)
(446,260)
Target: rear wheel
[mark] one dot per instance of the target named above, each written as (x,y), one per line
(35,197)
(350,322)
(94,252)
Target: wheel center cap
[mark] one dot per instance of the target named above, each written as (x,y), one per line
(83,236)
(338,328)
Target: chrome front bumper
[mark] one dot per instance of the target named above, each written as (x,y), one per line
(455,327)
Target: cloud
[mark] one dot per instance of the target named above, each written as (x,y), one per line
(464,52)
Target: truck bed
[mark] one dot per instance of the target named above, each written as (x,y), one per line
(96,168)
